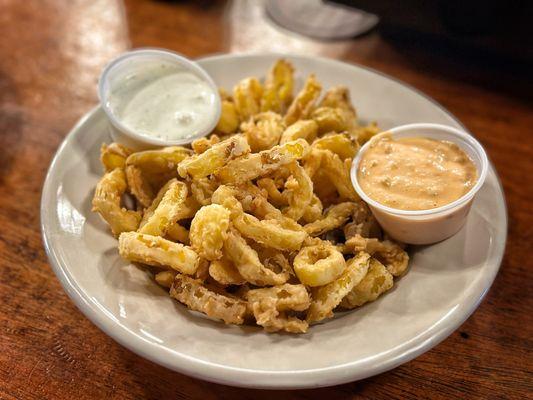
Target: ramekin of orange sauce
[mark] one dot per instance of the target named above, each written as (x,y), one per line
(419,180)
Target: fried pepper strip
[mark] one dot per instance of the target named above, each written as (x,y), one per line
(269,305)
(167,211)
(303,103)
(313,211)
(259,164)
(229,117)
(201,145)
(197,297)
(274,195)
(331,119)
(201,165)
(319,265)
(338,173)
(269,233)
(391,254)
(376,282)
(303,129)
(338,97)
(327,297)
(178,233)
(335,217)
(158,252)
(147,171)
(246,96)
(224,272)
(299,192)
(160,161)
(187,210)
(342,144)
(263,130)
(208,231)
(114,156)
(248,264)
(106,202)
(364,223)
(365,133)
(154,168)
(202,189)
(277,93)
(139,186)
(165,278)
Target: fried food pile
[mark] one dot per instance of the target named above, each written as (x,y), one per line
(259,222)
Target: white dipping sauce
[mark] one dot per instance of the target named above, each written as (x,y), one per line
(163,100)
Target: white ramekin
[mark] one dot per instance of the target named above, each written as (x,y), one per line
(121,67)
(436,224)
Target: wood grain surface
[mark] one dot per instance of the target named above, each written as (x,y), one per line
(51,53)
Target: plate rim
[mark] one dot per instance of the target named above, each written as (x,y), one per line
(245,377)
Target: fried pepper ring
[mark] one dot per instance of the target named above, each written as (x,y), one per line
(197,297)
(271,233)
(268,306)
(327,297)
(376,282)
(166,211)
(206,163)
(106,202)
(335,217)
(388,252)
(209,231)
(158,252)
(255,165)
(319,265)
(248,264)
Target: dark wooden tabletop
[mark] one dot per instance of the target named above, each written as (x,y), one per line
(51,53)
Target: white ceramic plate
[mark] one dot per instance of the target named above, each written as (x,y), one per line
(445,283)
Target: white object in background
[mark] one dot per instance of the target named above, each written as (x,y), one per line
(436,224)
(156,97)
(320,20)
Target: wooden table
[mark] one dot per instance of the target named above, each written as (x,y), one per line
(51,55)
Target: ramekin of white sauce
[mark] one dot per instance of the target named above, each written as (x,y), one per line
(155,97)
(420,220)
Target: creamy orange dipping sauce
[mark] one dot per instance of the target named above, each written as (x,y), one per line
(415,173)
